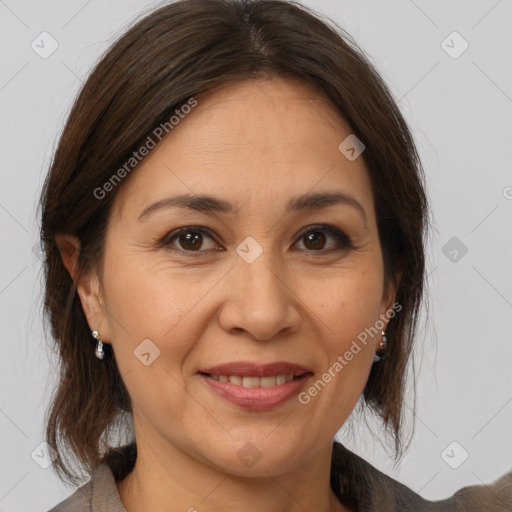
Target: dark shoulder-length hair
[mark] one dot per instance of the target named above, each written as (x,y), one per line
(178,52)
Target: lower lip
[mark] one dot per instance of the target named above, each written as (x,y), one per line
(257,399)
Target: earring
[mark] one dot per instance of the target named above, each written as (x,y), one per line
(381,353)
(99,345)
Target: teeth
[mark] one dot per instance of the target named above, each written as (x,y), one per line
(255,382)
(250,382)
(280,379)
(267,382)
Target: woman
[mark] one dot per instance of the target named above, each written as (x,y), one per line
(234,227)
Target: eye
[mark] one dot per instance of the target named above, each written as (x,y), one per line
(315,239)
(191,239)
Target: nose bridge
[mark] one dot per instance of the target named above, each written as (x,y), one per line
(259,268)
(260,301)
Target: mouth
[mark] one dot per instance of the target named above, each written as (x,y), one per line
(254,382)
(257,387)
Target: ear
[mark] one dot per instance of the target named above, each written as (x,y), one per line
(88,286)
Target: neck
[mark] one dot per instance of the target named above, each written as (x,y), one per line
(165,476)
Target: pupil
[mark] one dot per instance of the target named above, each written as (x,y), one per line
(191,239)
(314,238)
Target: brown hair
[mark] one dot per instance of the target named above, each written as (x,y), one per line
(182,50)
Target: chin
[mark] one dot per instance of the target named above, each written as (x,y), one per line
(254,455)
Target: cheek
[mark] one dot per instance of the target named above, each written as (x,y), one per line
(151,335)
(155,310)
(150,299)
(351,304)
(349,309)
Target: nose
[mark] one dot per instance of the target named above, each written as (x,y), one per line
(260,300)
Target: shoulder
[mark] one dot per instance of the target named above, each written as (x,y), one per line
(99,493)
(359,483)
(80,500)
(494,497)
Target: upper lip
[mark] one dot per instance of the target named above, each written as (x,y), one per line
(252,369)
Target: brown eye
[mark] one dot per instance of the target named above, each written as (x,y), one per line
(316,238)
(190,240)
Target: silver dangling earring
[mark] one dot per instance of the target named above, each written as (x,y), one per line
(100,354)
(380,355)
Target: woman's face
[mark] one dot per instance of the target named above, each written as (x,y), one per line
(249,282)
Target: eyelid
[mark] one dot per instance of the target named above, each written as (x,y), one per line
(166,240)
(342,238)
(333,230)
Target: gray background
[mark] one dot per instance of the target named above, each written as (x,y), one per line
(460,112)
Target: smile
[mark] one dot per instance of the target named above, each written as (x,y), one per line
(255,382)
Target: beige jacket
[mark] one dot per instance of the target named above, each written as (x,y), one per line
(356,483)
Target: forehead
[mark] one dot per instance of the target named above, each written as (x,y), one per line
(256,141)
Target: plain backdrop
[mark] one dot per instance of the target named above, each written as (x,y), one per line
(458,105)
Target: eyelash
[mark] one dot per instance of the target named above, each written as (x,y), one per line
(343,241)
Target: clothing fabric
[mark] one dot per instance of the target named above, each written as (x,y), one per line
(356,482)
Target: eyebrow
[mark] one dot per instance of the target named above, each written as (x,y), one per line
(208,204)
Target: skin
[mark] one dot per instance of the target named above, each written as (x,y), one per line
(255,144)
